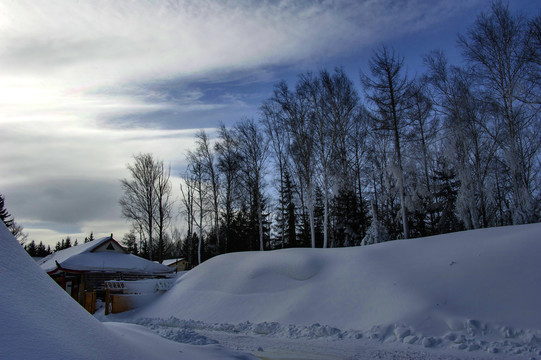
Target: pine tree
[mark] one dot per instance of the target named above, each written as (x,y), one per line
(42,251)
(89,238)
(349,219)
(446,187)
(130,242)
(31,248)
(4,215)
(290,212)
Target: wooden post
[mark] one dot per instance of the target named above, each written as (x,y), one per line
(107,301)
(90,301)
(82,286)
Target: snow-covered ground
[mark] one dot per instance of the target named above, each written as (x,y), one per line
(468,295)
(473,294)
(38,320)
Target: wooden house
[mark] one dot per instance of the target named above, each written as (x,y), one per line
(83,269)
(179,264)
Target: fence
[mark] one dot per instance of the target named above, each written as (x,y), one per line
(122,295)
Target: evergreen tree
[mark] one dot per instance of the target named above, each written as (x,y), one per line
(189,248)
(64,244)
(290,214)
(446,187)
(319,216)
(31,248)
(130,242)
(15,229)
(349,220)
(90,237)
(377,232)
(42,251)
(4,214)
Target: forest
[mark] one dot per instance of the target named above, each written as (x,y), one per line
(333,161)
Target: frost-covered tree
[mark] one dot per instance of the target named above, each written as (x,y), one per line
(501,47)
(377,232)
(466,143)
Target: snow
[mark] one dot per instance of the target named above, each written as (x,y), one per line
(168,262)
(40,321)
(473,291)
(82,257)
(467,295)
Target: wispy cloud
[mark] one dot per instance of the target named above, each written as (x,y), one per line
(55,55)
(110,42)
(72,71)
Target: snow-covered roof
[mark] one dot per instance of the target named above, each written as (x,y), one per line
(168,262)
(104,254)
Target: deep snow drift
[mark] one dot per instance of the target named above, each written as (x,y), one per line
(476,290)
(38,320)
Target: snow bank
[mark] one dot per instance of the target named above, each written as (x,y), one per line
(448,288)
(40,321)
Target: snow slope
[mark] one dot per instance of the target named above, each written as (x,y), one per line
(472,289)
(40,321)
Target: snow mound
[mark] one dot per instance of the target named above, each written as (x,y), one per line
(453,289)
(40,321)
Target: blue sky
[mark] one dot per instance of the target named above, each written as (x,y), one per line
(85,85)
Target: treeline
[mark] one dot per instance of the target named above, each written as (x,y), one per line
(39,250)
(327,165)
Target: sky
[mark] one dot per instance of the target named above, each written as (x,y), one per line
(86,85)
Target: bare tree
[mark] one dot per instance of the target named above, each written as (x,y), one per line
(253,148)
(138,200)
(340,110)
(206,154)
(423,133)
(164,206)
(229,167)
(501,49)
(301,144)
(196,198)
(323,129)
(271,119)
(389,90)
